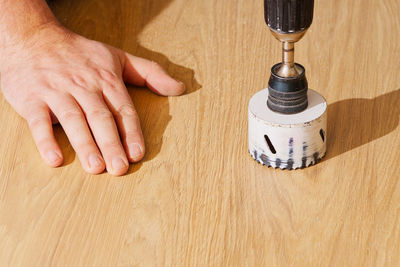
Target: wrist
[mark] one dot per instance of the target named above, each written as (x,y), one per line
(39,37)
(22,20)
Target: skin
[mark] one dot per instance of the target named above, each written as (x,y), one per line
(51,75)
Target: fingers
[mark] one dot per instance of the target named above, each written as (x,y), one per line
(105,132)
(142,72)
(39,122)
(127,119)
(74,124)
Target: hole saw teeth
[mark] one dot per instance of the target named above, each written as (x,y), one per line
(288,166)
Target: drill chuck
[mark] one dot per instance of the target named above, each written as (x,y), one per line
(287,95)
(288,16)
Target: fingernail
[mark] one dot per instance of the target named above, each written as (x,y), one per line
(95,161)
(118,163)
(135,151)
(53,156)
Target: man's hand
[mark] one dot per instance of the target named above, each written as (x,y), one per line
(55,76)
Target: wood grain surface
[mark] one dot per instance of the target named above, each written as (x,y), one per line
(198,198)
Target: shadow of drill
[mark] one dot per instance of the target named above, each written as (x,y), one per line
(355,122)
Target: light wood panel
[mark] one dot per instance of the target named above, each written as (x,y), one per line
(198,198)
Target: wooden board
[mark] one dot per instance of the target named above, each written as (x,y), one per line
(198,198)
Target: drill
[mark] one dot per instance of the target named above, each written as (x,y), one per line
(287,121)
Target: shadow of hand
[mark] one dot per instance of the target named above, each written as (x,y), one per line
(118,23)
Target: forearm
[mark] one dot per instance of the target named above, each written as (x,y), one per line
(21,19)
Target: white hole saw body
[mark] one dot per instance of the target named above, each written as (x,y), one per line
(287,141)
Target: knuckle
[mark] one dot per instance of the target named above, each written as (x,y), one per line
(127,110)
(70,114)
(108,76)
(36,122)
(110,86)
(78,80)
(83,86)
(100,113)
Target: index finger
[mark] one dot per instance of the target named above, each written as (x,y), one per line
(143,72)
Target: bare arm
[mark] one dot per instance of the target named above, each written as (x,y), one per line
(21,19)
(50,74)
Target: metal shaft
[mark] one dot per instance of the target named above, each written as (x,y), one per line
(288,68)
(288,54)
